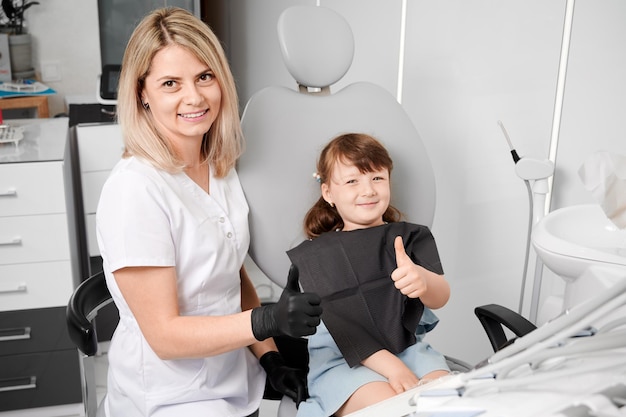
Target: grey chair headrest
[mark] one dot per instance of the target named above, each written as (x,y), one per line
(317,45)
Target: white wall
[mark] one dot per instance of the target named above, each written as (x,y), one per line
(595,100)
(468,64)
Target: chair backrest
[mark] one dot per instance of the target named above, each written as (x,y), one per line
(89,297)
(285,130)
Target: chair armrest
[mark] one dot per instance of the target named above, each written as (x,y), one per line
(495,317)
(89,297)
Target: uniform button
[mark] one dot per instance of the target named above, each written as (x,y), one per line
(229,235)
(222,220)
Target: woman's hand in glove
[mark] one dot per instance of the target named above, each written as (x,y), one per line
(285,379)
(296,314)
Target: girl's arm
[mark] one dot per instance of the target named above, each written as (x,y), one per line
(399,376)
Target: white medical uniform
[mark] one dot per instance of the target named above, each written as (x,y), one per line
(147,217)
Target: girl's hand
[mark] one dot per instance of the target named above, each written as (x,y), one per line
(408,277)
(398,375)
(401,378)
(415,281)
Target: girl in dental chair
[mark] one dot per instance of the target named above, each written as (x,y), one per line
(378,278)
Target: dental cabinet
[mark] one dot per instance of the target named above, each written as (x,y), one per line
(99,149)
(39,365)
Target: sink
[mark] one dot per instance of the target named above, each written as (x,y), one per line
(571,239)
(583,247)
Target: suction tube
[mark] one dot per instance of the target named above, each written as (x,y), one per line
(516,159)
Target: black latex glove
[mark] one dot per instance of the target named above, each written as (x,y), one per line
(285,379)
(296,314)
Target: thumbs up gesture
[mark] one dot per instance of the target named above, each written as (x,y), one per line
(408,277)
(296,314)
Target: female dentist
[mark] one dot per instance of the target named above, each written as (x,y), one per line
(172,227)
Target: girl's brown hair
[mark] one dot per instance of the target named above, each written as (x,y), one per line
(360,150)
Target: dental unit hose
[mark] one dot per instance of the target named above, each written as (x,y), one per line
(538,171)
(516,159)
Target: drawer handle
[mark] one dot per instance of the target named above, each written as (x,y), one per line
(10,192)
(21,333)
(15,287)
(16,241)
(19,384)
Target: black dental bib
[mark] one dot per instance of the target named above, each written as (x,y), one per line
(351,271)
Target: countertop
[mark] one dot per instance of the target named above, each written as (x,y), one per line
(44,140)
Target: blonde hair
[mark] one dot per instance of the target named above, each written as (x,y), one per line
(364,152)
(223,143)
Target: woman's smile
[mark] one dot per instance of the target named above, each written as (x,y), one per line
(193,116)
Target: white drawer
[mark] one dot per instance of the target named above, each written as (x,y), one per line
(34,239)
(92,239)
(92,183)
(33,188)
(36,285)
(100,147)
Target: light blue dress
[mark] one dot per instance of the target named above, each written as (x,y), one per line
(331,381)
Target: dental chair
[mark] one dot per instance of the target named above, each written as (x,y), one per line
(286,128)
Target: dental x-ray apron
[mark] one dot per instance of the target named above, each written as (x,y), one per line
(351,272)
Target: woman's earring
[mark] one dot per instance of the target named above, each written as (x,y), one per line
(145,105)
(331,204)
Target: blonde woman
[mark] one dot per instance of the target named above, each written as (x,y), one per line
(172,227)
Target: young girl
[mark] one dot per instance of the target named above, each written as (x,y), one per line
(378,279)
